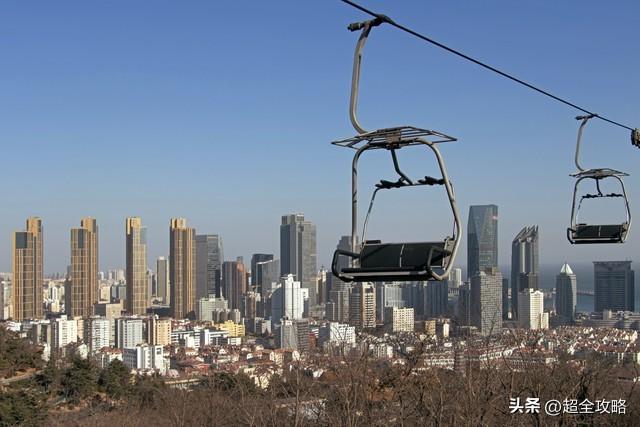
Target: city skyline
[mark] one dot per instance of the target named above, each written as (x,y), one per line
(183,97)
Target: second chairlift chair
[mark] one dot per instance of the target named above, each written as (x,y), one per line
(581,233)
(374,260)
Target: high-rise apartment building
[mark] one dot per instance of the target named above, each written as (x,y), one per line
(158,331)
(362,305)
(28,279)
(162,279)
(234,282)
(566,293)
(482,244)
(486,301)
(81,292)
(298,252)
(137,298)
(531,313)
(209,259)
(400,319)
(525,267)
(614,286)
(97,333)
(182,268)
(129,332)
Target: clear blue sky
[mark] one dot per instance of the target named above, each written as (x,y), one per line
(222,112)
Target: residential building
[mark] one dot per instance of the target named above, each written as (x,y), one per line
(531,314)
(362,305)
(339,333)
(82,288)
(97,333)
(129,332)
(144,357)
(400,319)
(28,280)
(158,331)
(234,282)
(287,300)
(138,296)
(182,269)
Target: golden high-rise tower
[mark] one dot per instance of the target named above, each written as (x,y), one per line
(28,276)
(82,289)
(182,268)
(136,274)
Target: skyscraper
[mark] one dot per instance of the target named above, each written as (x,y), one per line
(182,268)
(28,277)
(614,286)
(362,305)
(482,245)
(82,289)
(255,259)
(298,252)
(566,293)
(266,274)
(234,282)
(436,298)
(524,264)
(136,269)
(486,301)
(209,258)
(162,279)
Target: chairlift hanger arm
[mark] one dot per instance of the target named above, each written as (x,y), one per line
(380,18)
(584,119)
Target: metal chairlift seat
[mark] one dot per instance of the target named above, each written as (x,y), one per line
(379,261)
(582,233)
(404,261)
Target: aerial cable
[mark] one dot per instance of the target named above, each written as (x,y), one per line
(380,18)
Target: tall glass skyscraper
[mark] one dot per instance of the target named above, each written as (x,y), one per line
(298,252)
(209,259)
(614,286)
(525,268)
(255,259)
(566,294)
(482,239)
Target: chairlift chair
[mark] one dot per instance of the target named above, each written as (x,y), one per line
(374,260)
(582,233)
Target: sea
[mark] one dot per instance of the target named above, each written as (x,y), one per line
(584,277)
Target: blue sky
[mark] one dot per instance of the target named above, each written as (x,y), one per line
(222,112)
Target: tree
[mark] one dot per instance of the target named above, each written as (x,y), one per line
(22,408)
(115,380)
(79,380)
